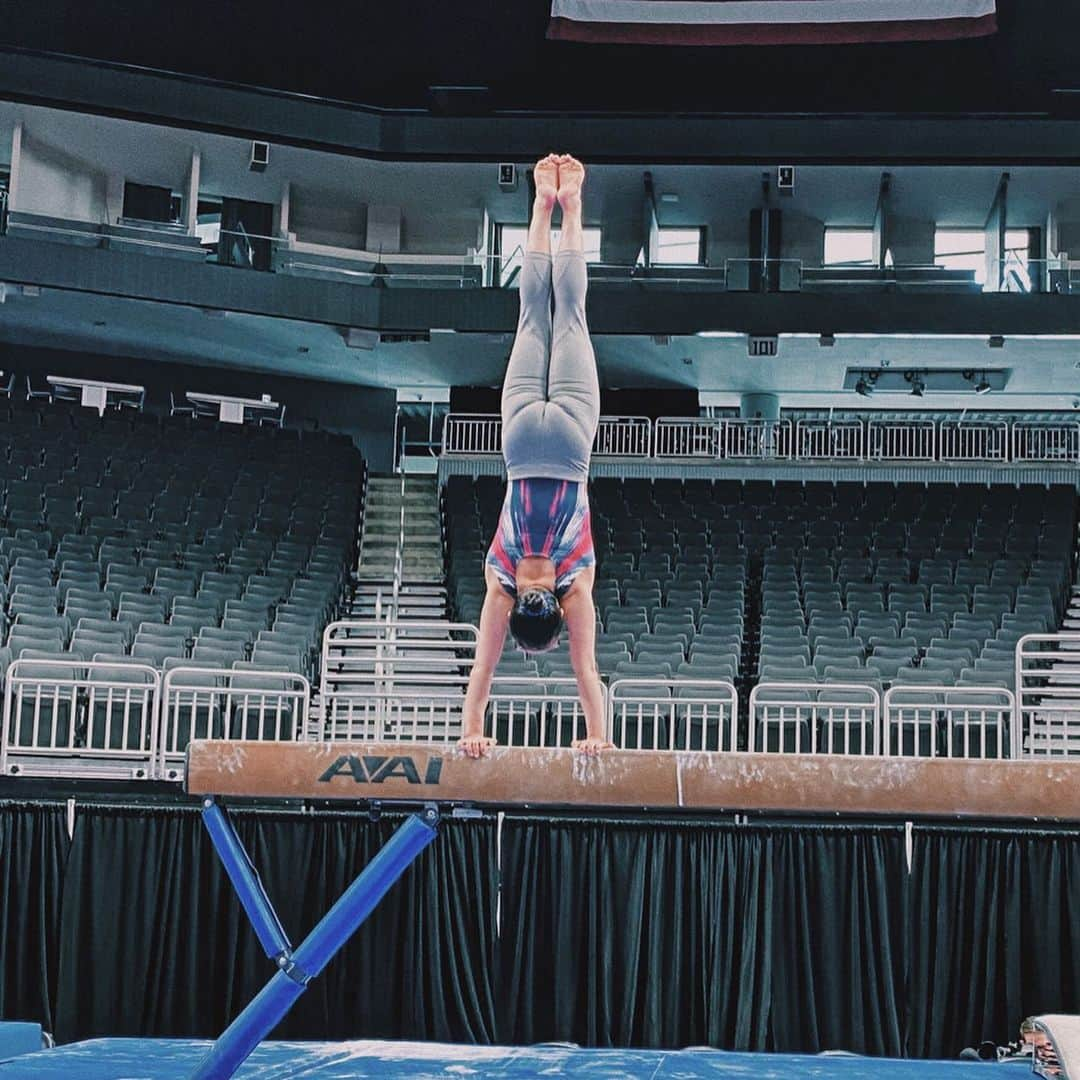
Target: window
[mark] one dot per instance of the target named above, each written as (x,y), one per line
(512,241)
(965,249)
(681,247)
(849,247)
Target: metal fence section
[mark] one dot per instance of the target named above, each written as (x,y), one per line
(623,436)
(950,721)
(223,703)
(472,434)
(757,439)
(681,437)
(829,440)
(80,718)
(673,714)
(384,679)
(1048,694)
(982,440)
(901,440)
(536,711)
(1056,443)
(814,718)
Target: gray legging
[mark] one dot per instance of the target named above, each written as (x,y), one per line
(551,395)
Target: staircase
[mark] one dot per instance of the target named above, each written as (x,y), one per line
(402,533)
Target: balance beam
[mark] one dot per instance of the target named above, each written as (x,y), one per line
(632,779)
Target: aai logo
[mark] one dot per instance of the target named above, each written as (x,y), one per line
(374,769)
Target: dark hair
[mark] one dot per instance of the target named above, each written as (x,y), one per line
(536,620)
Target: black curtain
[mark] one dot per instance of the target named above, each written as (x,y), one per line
(33,851)
(154,942)
(744,937)
(995,934)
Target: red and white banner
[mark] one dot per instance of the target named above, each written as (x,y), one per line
(768,22)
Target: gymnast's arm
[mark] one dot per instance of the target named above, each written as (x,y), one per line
(580,615)
(494,620)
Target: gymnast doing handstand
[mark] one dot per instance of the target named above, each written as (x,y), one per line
(540,567)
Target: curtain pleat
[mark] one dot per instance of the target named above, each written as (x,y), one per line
(995,934)
(33,852)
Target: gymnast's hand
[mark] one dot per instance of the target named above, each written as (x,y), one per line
(591,746)
(475,746)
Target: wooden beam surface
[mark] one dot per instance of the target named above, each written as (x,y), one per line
(626,779)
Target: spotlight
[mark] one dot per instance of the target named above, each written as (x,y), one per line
(917,384)
(982,386)
(996,341)
(863,388)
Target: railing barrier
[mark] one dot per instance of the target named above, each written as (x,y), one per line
(80,718)
(673,714)
(950,721)
(1048,694)
(814,718)
(223,703)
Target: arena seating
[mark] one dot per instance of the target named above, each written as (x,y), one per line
(880,584)
(165,541)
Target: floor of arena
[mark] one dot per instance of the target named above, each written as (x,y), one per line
(174,1059)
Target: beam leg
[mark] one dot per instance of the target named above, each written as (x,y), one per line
(271,1004)
(246,881)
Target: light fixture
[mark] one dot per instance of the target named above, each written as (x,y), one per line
(917,384)
(982,386)
(826,341)
(863,388)
(996,341)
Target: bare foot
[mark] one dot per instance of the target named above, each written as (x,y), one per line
(592,747)
(546,175)
(571,178)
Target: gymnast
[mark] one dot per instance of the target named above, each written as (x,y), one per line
(541,565)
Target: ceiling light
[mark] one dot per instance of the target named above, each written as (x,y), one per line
(719,333)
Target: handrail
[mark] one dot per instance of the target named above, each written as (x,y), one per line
(889,439)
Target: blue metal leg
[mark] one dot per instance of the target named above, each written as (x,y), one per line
(265,1012)
(246,881)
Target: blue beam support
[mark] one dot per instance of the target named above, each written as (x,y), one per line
(297,969)
(246,881)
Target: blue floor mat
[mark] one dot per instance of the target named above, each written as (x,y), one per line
(174,1059)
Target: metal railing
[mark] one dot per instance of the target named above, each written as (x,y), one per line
(814,718)
(950,721)
(623,436)
(673,714)
(1054,443)
(80,718)
(227,704)
(829,440)
(1048,694)
(896,440)
(983,440)
(679,437)
(901,440)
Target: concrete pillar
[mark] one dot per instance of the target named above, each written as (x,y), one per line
(16,162)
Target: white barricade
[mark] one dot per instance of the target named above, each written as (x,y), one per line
(814,718)
(383,679)
(80,718)
(1046,442)
(981,440)
(757,439)
(1048,694)
(472,434)
(673,714)
(536,711)
(623,436)
(682,437)
(950,721)
(223,703)
(829,440)
(901,440)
